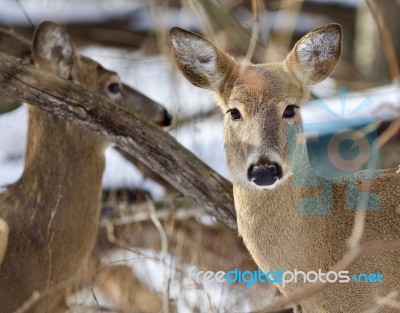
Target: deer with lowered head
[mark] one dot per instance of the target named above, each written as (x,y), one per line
(49,217)
(261,104)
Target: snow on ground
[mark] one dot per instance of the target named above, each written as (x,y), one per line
(185,290)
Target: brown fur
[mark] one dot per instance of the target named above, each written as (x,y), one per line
(274,231)
(53,210)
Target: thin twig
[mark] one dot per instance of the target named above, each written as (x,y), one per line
(387,42)
(4,230)
(389,300)
(25,13)
(254,34)
(38,295)
(50,237)
(29,303)
(164,251)
(389,133)
(283,21)
(382,302)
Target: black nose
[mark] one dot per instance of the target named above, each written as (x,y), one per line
(264,174)
(167,119)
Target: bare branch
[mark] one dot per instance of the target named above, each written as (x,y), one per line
(387,41)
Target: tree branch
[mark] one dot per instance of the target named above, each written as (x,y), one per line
(141,139)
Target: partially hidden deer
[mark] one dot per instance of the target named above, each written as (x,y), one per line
(49,217)
(262,104)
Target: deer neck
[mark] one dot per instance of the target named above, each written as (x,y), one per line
(267,220)
(274,218)
(61,156)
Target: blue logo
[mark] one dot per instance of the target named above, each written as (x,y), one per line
(344,149)
(279,276)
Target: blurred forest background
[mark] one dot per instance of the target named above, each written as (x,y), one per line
(141,264)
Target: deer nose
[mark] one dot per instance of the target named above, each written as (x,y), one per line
(264,173)
(167,119)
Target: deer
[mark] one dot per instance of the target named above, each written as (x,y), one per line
(49,217)
(261,105)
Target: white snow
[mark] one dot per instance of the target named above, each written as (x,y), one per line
(13,129)
(154,270)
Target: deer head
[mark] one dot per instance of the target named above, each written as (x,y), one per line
(259,101)
(54,51)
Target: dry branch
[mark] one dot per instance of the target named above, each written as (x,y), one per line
(237,36)
(141,139)
(178,209)
(387,41)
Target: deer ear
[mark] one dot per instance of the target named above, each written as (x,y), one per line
(200,61)
(53,50)
(316,54)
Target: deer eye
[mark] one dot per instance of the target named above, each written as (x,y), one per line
(235,114)
(114,88)
(290,111)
